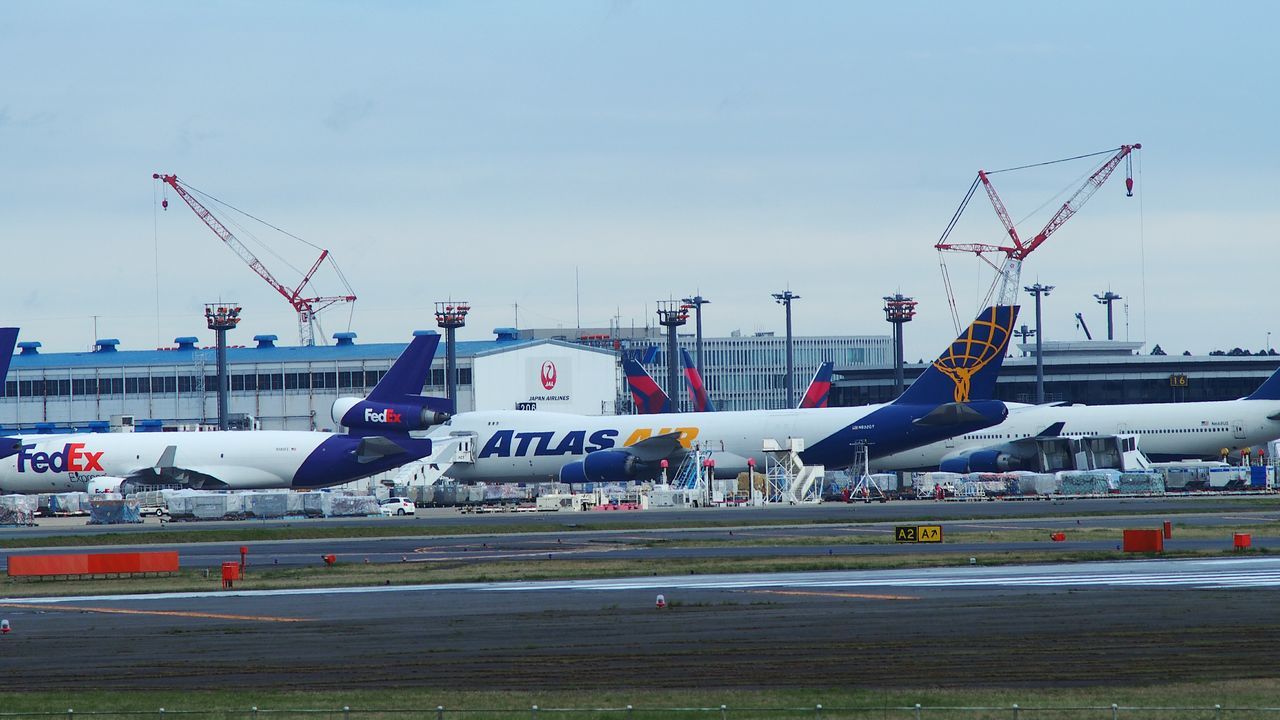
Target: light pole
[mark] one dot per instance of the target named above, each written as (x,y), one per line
(672,315)
(898,309)
(1037,290)
(1106,299)
(451,315)
(696,302)
(220,318)
(784,298)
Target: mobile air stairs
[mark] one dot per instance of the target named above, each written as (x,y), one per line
(787,479)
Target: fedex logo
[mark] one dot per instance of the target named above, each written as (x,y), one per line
(388,416)
(73,458)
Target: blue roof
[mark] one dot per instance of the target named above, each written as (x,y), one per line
(291,354)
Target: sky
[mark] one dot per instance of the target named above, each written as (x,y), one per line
(569,163)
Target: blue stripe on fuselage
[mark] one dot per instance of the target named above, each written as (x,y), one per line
(892,429)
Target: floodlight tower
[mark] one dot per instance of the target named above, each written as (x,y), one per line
(898,310)
(1037,290)
(1024,332)
(672,315)
(696,302)
(784,298)
(450,316)
(1106,299)
(222,317)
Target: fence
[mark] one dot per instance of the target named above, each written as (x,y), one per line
(721,712)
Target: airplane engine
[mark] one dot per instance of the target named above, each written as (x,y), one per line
(601,466)
(982,461)
(410,414)
(104,484)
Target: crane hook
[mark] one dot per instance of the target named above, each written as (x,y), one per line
(164,204)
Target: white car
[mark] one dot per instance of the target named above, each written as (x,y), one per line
(396,506)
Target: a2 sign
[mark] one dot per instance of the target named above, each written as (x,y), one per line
(917,533)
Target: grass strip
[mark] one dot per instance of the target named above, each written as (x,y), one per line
(837,701)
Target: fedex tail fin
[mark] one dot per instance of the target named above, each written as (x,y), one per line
(819,391)
(967,369)
(1269,390)
(648,397)
(396,403)
(697,391)
(8,341)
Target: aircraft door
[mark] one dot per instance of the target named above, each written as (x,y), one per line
(1237,429)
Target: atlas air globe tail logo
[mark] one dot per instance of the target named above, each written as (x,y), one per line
(984,341)
(548,375)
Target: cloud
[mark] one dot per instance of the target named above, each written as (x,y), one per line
(348,111)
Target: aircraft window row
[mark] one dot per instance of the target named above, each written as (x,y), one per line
(240,382)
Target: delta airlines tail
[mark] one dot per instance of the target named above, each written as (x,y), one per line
(697,391)
(818,393)
(649,399)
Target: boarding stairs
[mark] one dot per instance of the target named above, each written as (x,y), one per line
(446,452)
(787,478)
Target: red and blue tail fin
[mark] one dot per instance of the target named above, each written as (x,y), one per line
(697,390)
(649,399)
(968,368)
(819,392)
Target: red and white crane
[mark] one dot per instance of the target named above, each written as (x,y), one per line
(1004,289)
(306,306)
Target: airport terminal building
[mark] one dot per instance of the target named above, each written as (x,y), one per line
(1092,372)
(283,388)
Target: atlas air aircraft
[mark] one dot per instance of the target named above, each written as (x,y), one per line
(1165,431)
(376,439)
(952,397)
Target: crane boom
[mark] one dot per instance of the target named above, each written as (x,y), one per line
(306,307)
(1005,286)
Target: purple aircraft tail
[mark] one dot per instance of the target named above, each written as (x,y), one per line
(648,397)
(697,391)
(396,404)
(8,341)
(819,392)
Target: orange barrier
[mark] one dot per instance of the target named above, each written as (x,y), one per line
(93,564)
(1145,541)
(1241,541)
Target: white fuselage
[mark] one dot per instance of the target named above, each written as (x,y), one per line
(240,460)
(1166,431)
(518,446)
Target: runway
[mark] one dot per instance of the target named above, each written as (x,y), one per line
(1092,623)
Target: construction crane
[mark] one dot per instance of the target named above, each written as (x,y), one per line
(306,307)
(1083,326)
(1004,288)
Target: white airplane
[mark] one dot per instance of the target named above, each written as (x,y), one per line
(377,439)
(1165,432)
(951,397)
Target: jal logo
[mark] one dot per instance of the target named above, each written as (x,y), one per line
(548,375)
(388,416)
(72,458)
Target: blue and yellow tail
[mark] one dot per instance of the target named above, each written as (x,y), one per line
(968,368)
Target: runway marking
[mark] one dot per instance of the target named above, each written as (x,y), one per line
(167,613)
(862,596)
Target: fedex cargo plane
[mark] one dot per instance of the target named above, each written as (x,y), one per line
(952,397)
(377,439)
